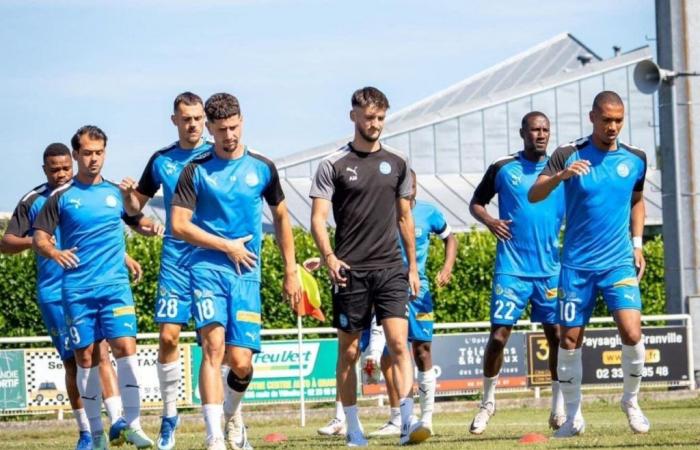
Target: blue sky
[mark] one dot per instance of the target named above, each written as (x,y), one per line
(293,64)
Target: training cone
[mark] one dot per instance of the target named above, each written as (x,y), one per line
(533,438)
(275,437)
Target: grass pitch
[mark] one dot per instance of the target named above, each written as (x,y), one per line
(675,424)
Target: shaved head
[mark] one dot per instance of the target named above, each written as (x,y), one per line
(607,98)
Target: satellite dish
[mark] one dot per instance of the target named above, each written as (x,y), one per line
(648,76)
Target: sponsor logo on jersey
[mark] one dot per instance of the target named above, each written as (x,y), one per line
(353,171)
(248,316)
(425,317)
(515,179)
(385,168)
(75,202)
(626,282)
(211,180)
(551,293)
(623,170)
(111,201)
(252,179)
(171,167)
(250,335)
(123,311)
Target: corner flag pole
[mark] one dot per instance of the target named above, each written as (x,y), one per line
(301,370)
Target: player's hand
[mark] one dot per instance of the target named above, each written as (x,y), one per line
(312,264)
(239,254)
(639,263)
(337,270)
(52,239)
(500,228)
(443,277)
(154,228)
(66,258)
(134,268)
(127,186)
(578,168)
(291,289)
(414,283)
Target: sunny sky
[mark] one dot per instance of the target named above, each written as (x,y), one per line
(292,63)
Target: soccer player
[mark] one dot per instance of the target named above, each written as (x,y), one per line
(173,302)
(58,168)
(428,219)
(527,258)
(369,188)
(95,286)
(217,207)
(603,182)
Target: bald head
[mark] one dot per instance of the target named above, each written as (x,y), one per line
(607,98)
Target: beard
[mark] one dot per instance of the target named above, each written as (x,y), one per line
(367,137)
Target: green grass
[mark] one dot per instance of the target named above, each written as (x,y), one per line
(675,424)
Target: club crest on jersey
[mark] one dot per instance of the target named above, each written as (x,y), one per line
(75,202)
(499,289)
(385,168)
(623,170)
(252,179)
(353,171)
(419,232)
(111,201)
(343,319)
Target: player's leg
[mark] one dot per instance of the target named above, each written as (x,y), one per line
(335,426)
(118,326)
(621,293)
(372,346)
(577,296)
(420,333)
(111,397)
(242,341)
(545,310)
(393,426)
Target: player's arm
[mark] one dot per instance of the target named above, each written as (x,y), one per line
(555,172)
(184,203)
(445,274)
(483,194)
(44,243)
(285,242)
(134,268)
(320,207)
(136,195)
(408,236)
(637,216)
(16,237)
(146,226)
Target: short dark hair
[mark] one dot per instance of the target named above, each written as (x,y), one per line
(188,98)
(221,106)
(369,95)
(93,132)
(525,123)
(56,149)
(607,97)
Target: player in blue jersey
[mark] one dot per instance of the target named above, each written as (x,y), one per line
(603,181)
(217,207)
(58,168)
(527,258)
(428,219)
(95,283)
(173,301)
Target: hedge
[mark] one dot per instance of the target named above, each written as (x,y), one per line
(466,298)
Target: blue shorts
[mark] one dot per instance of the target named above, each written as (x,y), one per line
(420,318)
(234,303)
(99,312)
(54,318)
(174,299)
(511,294)
(579,289)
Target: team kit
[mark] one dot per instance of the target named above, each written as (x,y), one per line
(210,267)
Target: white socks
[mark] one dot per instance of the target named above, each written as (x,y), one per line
(406,406)
(212,419)
(169,380)
(490,390)
(557,400)
(90,389)
(426,394)
(228,400)
(81,419)
(113,405)
(129,389)
(395,417)
(569,372)
(352,419)
(339,412)
(632,368)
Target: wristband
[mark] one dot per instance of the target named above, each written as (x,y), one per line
(637,241)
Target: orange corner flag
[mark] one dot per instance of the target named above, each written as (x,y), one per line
(310,304)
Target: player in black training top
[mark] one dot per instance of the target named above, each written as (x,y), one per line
(368,186)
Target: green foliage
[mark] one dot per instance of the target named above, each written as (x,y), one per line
(466,298)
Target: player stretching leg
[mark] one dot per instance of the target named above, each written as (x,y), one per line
(604,180)
(96,292)
(217,207)
(527,258)
(173,302)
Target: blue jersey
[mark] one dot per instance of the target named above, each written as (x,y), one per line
(598,205)
(533,249)
(427,219)
(163,169)
(90,218)
(226,199)
(49,273)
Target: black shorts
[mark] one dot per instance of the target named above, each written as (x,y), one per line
(384,291)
